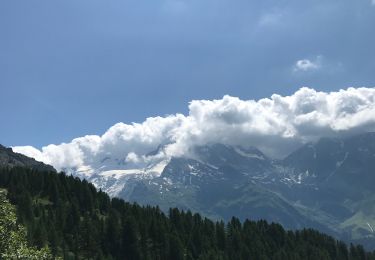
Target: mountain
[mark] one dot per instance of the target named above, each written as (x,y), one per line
(225,182)
(341,174)
(8,158)
(69,219)
(327,185)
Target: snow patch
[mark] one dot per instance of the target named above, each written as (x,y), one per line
(338,164)
(156,170)
(372,230)
(117,174)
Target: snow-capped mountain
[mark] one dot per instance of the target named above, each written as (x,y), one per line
(326,185)
(113,175)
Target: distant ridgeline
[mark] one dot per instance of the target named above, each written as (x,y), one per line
(76,221)
(8,158)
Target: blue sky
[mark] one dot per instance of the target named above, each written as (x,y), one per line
(70,68)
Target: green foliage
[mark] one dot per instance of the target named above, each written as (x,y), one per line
(13,243)
(76,221)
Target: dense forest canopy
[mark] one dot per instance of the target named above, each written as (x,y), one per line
(75,221)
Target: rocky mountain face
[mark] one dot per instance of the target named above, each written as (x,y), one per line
(338,184)
(10,159)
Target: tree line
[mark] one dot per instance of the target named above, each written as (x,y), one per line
(68,218)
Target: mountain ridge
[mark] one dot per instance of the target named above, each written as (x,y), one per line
(316,186)
(9,158)
(76,221)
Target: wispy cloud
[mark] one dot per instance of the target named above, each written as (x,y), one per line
(308,65)
(271,19)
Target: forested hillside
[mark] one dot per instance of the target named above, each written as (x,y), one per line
(76,221)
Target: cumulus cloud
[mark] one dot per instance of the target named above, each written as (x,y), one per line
(276,125)
(308,65)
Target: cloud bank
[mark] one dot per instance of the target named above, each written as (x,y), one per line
(276,125)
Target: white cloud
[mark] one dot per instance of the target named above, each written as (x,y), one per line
(276,125)
(30,151)
(132,158)
(308,65)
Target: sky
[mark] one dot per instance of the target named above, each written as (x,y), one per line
(72,68)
